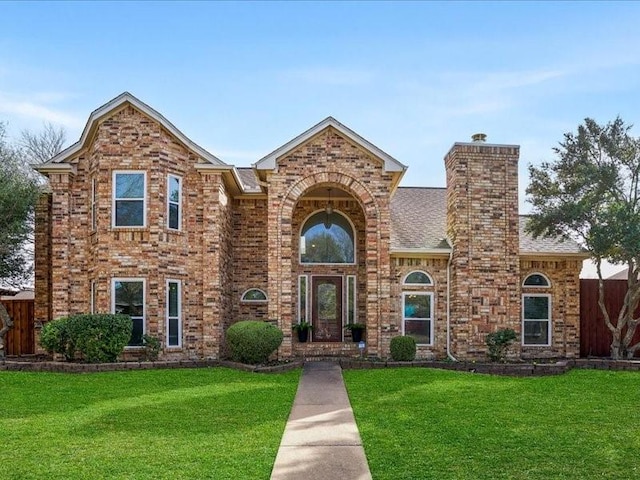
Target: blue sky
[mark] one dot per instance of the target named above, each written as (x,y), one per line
(241,79)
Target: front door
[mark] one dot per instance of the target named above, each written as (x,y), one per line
(326,311)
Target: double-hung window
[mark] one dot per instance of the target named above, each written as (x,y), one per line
(417,316)
(174,313)
(536,310)
(128,298)
(129,199)
(536,318)
(174,202)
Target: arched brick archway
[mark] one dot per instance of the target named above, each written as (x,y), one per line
(376,254)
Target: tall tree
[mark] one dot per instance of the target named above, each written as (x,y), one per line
(590,192)
(41,146)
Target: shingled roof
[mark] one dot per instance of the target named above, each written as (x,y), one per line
(419,223)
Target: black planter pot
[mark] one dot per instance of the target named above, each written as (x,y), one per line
(356,334)
(303,336)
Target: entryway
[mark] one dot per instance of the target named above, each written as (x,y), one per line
(326,308)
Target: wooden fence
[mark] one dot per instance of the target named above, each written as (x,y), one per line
(20,339)
(595,338)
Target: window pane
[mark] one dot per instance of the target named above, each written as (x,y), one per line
(173,332)
(536,308)
(173,216)
(129,298)
(536,280)
(417,306)
(129,213)
(302,314)
(418,278)
(351,299)
(129,185)
(173,299)
(254,295)
(174,189)
(136,335)
(420,330)
(327,239)
(536,332)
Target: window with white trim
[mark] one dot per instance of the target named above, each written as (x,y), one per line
(254,295)
(174,202)
(417,316)
(417,277)
(94,204)
(302,299)
(128,298)
(536,280)
(174,313)
(129,199)
(93,300)
(327,237)
(536,319)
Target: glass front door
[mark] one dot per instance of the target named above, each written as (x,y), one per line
(326,298)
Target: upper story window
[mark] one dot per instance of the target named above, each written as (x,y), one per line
(417,278)
(174,202)
(327,238)
(536,280)
(129,199)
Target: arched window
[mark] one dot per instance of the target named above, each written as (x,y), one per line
(327,238)
(417,278)
(536,280)
(254,295)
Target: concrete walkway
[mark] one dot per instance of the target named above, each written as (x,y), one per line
(321,439)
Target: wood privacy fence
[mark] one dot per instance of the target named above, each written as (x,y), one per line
(595,338)
(20,339)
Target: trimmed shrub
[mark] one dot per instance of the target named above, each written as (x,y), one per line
(252,341)
(152,347)
(98,338)
(54,338)
(498,343)
(403,349)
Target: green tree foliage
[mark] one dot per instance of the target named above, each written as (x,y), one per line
(19,190)
(590,193)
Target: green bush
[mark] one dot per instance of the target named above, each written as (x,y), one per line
(252,341)
(403,349)
(98,338)
(152,347)
(54,338)
(498,343)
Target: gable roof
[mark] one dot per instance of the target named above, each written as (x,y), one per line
(269,161)
(419,225)
(109,108)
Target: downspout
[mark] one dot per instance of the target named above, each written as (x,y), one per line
(449,354)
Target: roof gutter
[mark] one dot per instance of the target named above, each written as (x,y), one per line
(418,252)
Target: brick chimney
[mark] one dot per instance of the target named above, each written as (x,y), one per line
(482,223)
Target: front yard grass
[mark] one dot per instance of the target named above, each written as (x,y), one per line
(161,424)
(436,424)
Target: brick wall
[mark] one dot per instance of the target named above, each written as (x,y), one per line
(482,221)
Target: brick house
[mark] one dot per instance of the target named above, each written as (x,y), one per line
(141,220)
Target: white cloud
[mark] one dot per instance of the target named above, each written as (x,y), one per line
(37,107)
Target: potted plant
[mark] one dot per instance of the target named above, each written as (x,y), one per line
(357,329)
(303,329)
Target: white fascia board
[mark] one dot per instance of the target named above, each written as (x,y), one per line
(555,254)
(420,252)
(269,162)
(54,168)
(144,108)
(206,167)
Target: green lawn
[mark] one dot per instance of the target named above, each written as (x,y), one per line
(436,424)
(200,423)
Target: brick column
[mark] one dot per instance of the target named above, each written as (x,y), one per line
(483,224)
(60,210)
